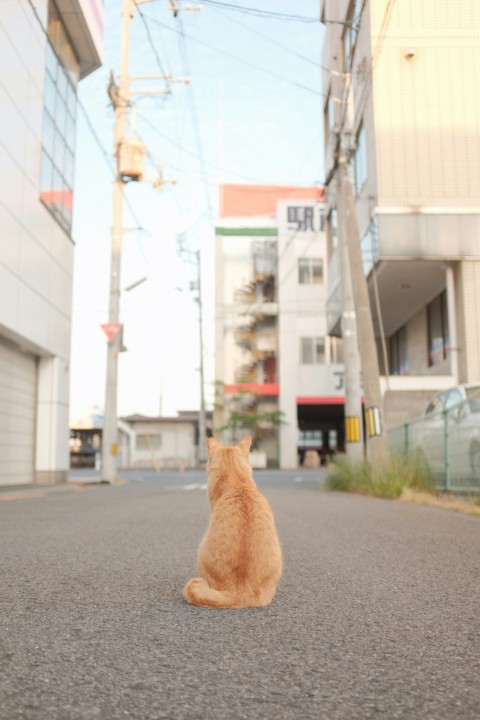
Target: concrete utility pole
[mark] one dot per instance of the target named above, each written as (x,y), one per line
(121,102)
(202,425)
(353,400)
(202,450)
(129,159)
(377,445)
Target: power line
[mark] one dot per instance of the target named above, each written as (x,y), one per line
(155,129)
(274,42)
(263,13)
(150,40)
(193,110)
(242,60)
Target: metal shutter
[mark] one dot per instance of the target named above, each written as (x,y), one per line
(18,385)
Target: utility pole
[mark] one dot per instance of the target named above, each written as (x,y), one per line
(353,400)
(377,445)
(129,160)
(121,102)
(202,450)
(197,285)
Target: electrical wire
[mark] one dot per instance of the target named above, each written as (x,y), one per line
(194,116)
(150,40)
(262,13)
(242,60)
(272,41)
(158,132)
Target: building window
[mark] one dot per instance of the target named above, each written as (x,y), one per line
(59,113)
(438,333)
(352,21)
(312,438)
(310,271)
(312,351)
(360,161)
(148,442)
(398,353)
(329,117)
(332,231)
(336,350)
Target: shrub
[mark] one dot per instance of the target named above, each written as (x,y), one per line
(387,482)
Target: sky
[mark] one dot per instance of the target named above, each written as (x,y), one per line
(251,114)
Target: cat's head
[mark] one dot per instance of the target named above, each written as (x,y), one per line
(219,455)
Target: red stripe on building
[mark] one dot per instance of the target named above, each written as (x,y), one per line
(251,200)
(333,400)
(257,388)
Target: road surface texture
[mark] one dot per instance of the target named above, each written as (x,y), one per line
(377,614)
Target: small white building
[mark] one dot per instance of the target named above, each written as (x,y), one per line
(45,50)
(163,443)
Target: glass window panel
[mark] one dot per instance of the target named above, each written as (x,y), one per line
(48,132)
(71,99)
(398,353)
(336,346)
(436,331)
(70,132)
(319,350)
(148,442)
(46,172)
(60,115)
(61,77)
(49,93)
(317,271)
(473,395)
(62,84)
(52,62)
(446,330)
(57,183)
(306,351)
(59,153)
(66,204)
(333,228)
(303,271)
(360,161)
(69,168)
(454,397)
(347,48)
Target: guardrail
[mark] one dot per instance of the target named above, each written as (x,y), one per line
(449,443)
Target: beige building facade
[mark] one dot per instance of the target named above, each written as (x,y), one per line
(401,86)
(46,49)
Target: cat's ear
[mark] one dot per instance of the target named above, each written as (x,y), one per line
(211,444)
(245,444)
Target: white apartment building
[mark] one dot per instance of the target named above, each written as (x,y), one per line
(272,352)
(46,48)
(403,78)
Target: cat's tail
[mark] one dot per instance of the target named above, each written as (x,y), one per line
(198,592)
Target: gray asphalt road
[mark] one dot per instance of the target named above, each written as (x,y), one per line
(377,615)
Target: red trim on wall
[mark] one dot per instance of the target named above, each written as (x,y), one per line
(258,388)
(334,400)
(251,200)
(57,197)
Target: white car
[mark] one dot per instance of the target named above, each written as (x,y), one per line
(449,433)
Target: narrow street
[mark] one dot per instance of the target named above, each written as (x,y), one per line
(376,616)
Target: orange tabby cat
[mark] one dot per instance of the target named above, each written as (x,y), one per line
(239,558)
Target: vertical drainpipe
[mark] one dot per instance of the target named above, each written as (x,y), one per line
(452,321)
